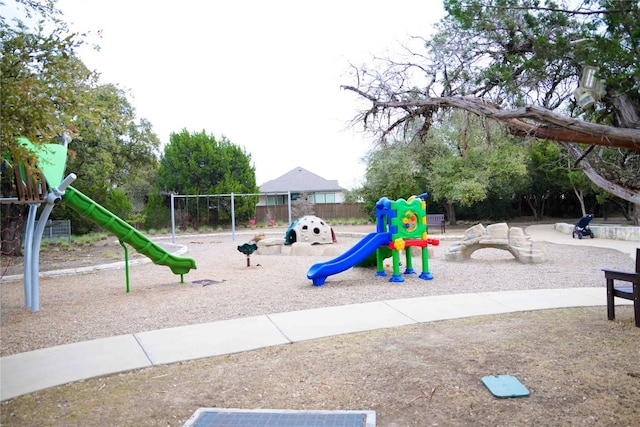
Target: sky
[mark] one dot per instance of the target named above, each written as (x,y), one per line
(264,74)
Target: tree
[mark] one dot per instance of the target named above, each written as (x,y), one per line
(477,160)
(519,63)
(44,84)
(392,172)
(112,147)
(460,161)
(47,92)
(113,151)
(198,163)
(548,176)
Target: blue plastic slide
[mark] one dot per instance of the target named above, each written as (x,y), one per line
(358,253)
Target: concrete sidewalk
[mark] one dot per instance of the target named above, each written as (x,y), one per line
(36,370)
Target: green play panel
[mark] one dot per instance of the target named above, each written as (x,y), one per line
(52,160)
(505,386)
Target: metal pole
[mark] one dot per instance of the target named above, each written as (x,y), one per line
(173,221)
(53,198)
(28,253)
(35,261)
(289,201)
(126,262)
(233,219)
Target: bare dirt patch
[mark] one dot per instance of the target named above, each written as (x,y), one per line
(58,256)
(580,369)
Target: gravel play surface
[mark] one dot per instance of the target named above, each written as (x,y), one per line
(90,306)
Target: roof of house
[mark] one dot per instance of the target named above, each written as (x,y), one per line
(300,180)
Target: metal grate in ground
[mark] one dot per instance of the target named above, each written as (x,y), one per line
(222,417)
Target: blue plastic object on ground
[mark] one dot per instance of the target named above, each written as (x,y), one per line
(505,386)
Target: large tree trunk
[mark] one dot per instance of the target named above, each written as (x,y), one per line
(532,202)
(451,212)
(580,197)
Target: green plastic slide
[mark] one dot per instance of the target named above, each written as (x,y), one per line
(125,232)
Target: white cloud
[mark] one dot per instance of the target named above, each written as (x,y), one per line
(266,75)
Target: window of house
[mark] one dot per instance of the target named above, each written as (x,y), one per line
(275,200)
(323,198)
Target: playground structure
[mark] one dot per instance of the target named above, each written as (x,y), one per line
(250,247)
(497,236)
(309,229)
(400,225)
(45,184)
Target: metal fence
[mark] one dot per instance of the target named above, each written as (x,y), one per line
(58,229)
(326,211)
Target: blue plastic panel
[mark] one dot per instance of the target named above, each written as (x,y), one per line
(505,386)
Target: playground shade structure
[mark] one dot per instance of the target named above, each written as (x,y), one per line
(125,232)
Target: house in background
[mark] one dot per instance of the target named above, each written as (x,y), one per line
(301,183)
(326,196)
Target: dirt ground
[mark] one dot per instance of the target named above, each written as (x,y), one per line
(580,369)
(56,256)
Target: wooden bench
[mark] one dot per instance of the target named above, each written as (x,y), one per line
(629,292)
(437,219)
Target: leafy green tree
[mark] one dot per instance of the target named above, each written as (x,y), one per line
(111,152)
(113,147)
(200,164)
(478,160)
(519,62)
(582,188)
(44,84)
(391,172)
(548,176)
(460,161)
(156,212)
(42,87)
(47,92)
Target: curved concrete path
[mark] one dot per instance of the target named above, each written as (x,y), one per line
(548,233)
(35,370)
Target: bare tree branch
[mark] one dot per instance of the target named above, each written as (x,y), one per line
(560,10)
(546,124)
(599,180)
